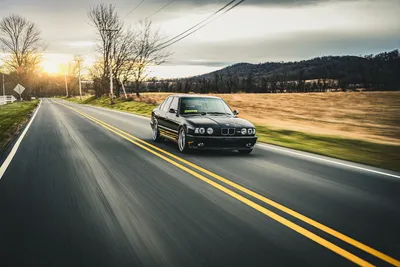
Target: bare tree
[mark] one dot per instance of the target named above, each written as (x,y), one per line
(109,27)
(149,50)
(22,44)
(124,58)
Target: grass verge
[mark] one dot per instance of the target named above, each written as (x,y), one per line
(384,156)
(12,119)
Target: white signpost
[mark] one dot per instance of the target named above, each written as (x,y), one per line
(19,89)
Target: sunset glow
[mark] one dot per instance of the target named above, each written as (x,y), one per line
(53,63)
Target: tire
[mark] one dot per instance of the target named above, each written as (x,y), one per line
(156,131)
(182,141)
(245,152)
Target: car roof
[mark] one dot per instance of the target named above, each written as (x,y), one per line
(195,95)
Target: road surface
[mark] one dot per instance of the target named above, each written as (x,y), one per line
(88,187)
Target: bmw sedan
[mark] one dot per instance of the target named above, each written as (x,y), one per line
(202,122)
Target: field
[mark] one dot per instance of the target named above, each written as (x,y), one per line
(360,127)
(12,118)
(372,116)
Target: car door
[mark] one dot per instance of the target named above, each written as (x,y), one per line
(173,119)
(163,113)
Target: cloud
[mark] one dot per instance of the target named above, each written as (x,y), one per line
(198,62)
(293,47)
(256,31)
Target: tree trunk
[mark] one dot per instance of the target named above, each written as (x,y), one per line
(117,89)
(137,86)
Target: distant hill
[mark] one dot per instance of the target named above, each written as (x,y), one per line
(347,69)
(372,72)
(333,67)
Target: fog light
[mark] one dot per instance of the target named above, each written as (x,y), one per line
(200,144)
(248,145)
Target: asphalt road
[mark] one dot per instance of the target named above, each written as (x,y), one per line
(86,191)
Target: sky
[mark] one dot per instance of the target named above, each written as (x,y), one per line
(256,31)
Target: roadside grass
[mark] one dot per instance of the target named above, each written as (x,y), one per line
(12,119)
(380,155)
(386,156)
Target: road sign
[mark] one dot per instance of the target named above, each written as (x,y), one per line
(19,89)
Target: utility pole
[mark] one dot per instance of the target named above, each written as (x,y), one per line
(80,82)
(123,88)
(66,84)
(111,81)
(4,89)
(110,31)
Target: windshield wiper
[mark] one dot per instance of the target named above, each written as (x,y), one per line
(218,113)
(195,113)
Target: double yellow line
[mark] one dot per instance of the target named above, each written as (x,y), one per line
(176,161)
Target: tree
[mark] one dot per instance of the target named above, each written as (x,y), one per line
(22,44)
(109,28)
(149,51)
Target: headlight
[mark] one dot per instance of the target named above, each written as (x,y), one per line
(210,131)
(199,131)
(244,131)
(250,131)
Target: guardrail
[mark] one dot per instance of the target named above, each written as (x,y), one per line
(7,99)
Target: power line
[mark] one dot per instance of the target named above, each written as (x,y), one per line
(170,2)
(138,5)
(191,28)
(190,33)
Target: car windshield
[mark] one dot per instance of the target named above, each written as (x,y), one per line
(203,105)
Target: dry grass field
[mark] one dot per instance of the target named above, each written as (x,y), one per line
(369,116)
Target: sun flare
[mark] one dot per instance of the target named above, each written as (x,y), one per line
(53,63)
(50,67)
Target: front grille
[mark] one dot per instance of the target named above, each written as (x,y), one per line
(228,131)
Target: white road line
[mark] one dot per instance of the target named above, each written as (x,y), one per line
(272,147)
(10,156)
(326,160)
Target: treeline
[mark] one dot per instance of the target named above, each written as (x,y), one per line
(379,72)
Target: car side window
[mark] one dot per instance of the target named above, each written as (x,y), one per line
(167,103)
(174,103)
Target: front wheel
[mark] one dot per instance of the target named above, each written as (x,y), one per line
(156,131)
(182,142)
(245,152)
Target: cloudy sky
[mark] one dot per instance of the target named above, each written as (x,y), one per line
(256,31)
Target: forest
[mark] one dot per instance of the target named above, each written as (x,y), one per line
(379,72)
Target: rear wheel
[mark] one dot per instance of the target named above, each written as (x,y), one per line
(182,142)
(156,131)
(245,152)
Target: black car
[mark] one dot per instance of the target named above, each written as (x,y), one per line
(202,122)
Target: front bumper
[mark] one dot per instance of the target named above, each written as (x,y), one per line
(221,142)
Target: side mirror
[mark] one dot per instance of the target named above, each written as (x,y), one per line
(235,112)
(171,110)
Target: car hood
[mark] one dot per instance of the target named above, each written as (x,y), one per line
(221,121)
